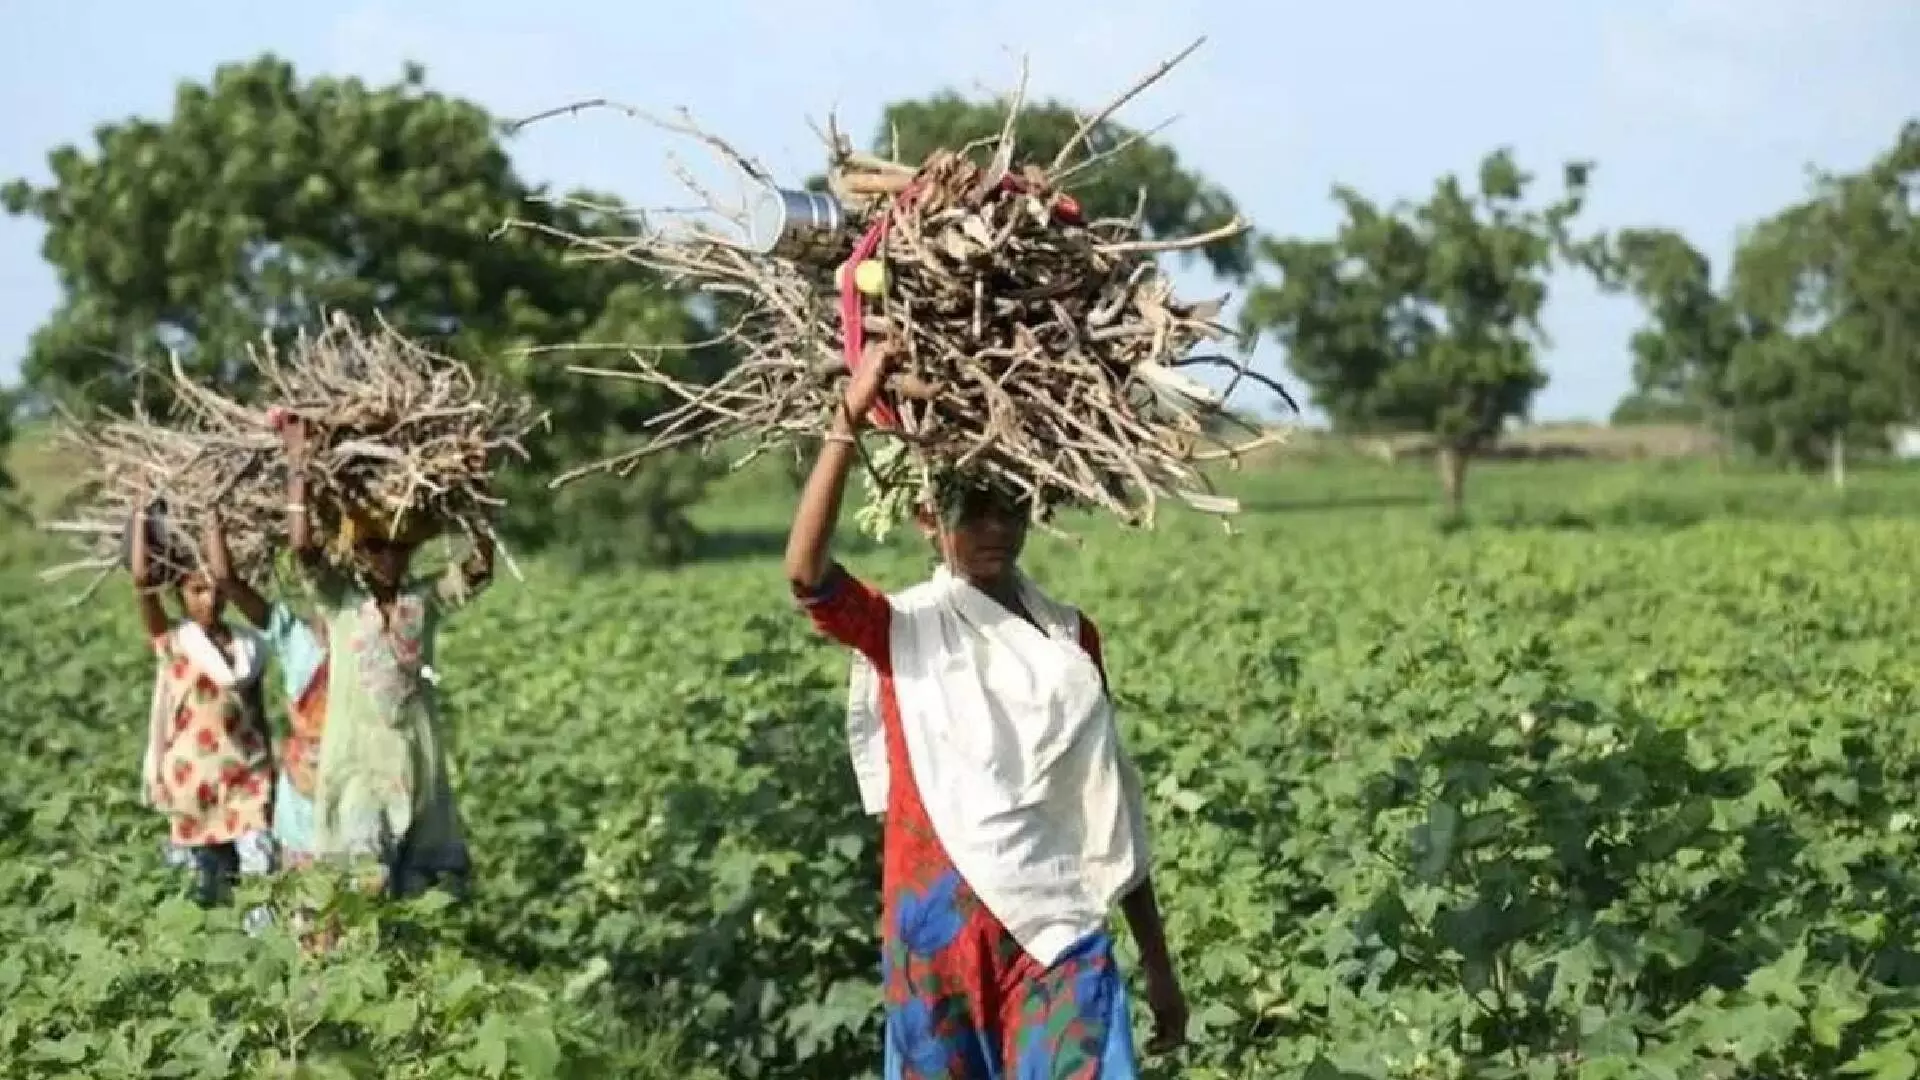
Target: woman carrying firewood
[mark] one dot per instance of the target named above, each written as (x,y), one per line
(981,728)
(208,765)
(382,795)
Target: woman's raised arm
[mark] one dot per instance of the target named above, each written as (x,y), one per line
(819,510)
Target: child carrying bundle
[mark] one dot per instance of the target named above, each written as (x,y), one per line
(208,764)
(385,446)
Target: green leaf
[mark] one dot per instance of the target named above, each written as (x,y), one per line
(1837,1005)
(492,1045)
(1889,1061)
(1779,981)
(69,1049)
(1323,1069)
(1433,842)
(399,1017)
(582,982)
(537,1050)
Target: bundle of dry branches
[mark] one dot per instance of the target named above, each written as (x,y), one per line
(1040,351)
(179,475)
(399,436)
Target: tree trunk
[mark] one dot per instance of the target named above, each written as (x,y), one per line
(1837,460)
(1453,476)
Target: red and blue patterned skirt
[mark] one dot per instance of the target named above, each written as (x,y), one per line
(963,1000)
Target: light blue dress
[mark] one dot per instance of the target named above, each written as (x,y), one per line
(302,655)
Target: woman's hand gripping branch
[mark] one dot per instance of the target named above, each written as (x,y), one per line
(819,509)
(293,437)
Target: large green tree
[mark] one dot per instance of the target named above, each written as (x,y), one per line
(1177,201)
(1682,355)
(1811,345)
(265,200)
(1425,317)
(1807,379)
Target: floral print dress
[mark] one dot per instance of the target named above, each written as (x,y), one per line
(963,1000)
(382,795)
(214,766)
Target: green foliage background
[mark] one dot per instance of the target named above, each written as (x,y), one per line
(1615,782)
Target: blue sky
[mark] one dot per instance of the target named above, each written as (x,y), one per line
(1702,114)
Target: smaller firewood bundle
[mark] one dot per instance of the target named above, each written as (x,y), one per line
(400,438)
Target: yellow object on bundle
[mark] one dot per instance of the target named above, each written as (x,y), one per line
(869,276)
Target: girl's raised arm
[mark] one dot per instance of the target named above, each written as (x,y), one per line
(220,569)
(140,564)
(300,537)
(819,510)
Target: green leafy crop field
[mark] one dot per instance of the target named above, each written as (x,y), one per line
(1617,781)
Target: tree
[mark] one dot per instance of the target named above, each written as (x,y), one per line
(265,201)
(1134,171)
(1425,318)
(1865,262)
(1810,347)
(1684,355)
(1813,373)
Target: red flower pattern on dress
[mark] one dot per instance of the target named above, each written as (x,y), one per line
(214,758)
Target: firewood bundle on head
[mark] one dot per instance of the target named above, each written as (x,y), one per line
(1040,352)
(401,440)
(178,476)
